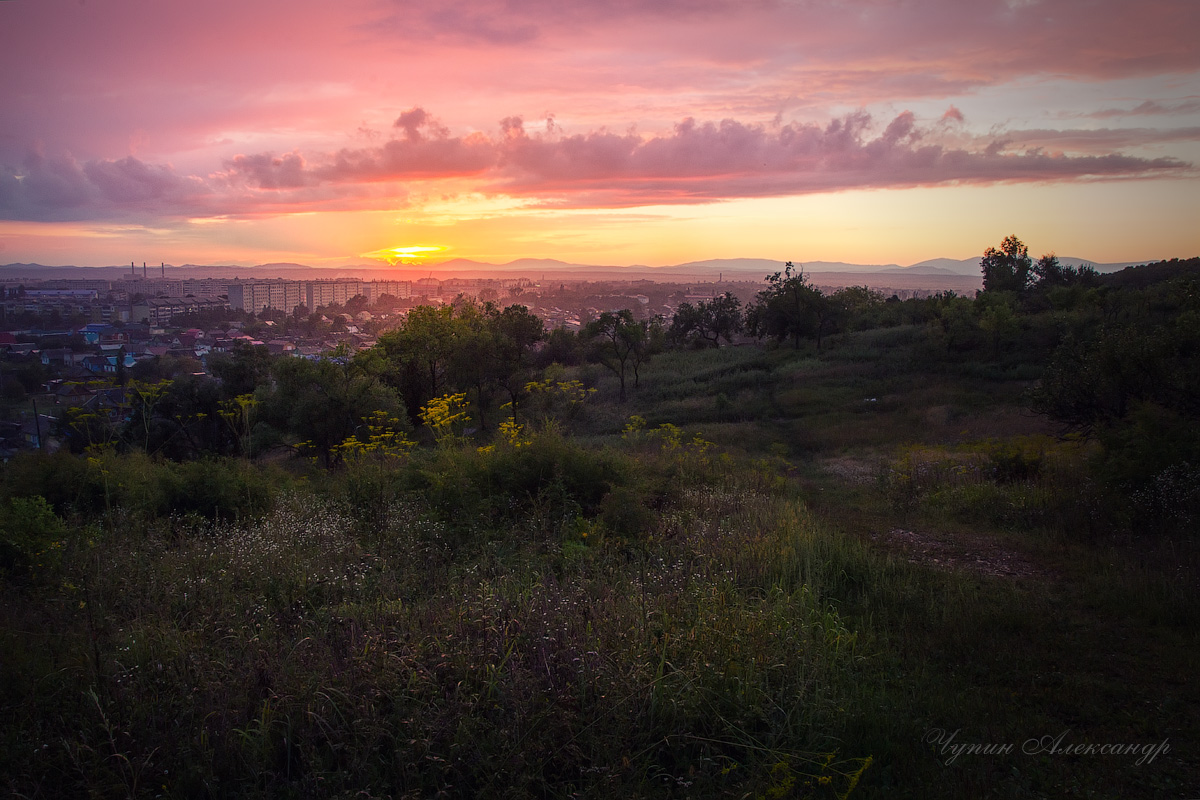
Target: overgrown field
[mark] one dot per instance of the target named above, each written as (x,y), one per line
(859,573)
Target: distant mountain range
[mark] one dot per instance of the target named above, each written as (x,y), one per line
(735,269)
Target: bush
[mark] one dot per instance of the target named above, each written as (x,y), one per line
(547,481)
(141,485)
(222,489)
(32,537)
(60,478)
(624,512)
(1015,460)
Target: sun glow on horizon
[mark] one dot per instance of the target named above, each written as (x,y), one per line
(399,255)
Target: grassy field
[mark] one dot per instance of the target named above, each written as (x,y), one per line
(1016,615)
(866,572)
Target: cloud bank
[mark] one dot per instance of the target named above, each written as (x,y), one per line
(133,113)
(696,162)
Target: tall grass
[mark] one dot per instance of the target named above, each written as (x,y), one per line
(304,653)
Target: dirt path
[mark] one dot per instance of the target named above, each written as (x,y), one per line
(968,552)
(952,550)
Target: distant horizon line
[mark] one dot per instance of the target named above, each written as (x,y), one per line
(733,265)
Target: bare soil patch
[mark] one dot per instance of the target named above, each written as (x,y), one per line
(967,552)
(854,470)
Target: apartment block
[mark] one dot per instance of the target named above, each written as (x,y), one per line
(373,290)
(338,290)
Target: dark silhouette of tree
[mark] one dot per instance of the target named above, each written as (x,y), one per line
(650,342)
(122,374)
(789,308)
(462,347)
(562,347)
(1007,269)
(420,351)
(1049,273)
(613,340)
(710,321)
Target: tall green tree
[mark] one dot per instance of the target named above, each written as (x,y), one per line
(1048,272)
(322,402)
(468,347)
(241,370)
(418,354)
(516,333)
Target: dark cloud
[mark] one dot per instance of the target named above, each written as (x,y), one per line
(267,171)
(132,181)
(60,189)
(1102,140)
(715,161)
(1151,108)
(695,162)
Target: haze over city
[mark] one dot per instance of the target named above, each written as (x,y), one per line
(611,133)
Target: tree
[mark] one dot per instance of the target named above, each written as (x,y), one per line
(516,332)
(710,321)
(241,370)
(859,307)
(323,402)
(997,320)
(1049,273)
(612,340)
(187,421)
(1007,269)
(789,308)
(561,347)
(463,347)
(472,359)
(386,302)
(1135,386)
(649,342)
(419,352)
(122,375)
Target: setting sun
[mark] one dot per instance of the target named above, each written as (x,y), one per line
(398,255)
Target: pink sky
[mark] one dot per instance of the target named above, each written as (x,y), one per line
(627,131)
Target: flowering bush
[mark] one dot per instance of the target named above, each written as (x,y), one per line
(446,416)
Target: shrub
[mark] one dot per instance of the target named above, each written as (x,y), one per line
(60,478)
(141,485)
(623,512)
(32,537)
(223,489)
(547,479)
(1013,460)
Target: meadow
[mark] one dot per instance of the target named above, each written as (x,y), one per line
(869,571)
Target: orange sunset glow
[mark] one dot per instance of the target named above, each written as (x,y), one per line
(399,255)
(839,131)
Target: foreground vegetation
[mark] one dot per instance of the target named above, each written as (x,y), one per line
(771,572)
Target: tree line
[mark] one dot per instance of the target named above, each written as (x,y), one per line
(1110,357)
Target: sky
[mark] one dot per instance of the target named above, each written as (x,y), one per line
(619,132)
